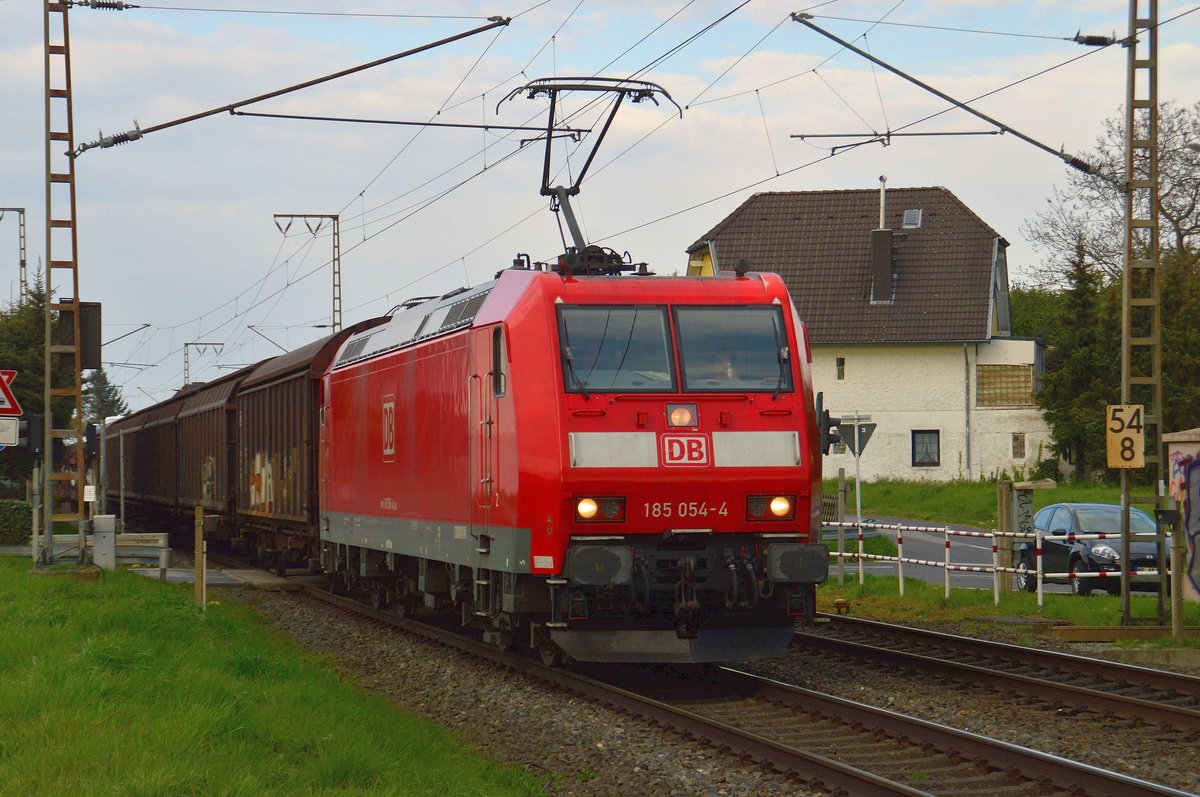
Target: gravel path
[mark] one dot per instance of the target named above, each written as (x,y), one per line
(586,749)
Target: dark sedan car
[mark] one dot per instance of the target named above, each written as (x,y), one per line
(1061,554)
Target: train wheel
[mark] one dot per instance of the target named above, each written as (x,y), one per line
(552,655)
(337,583)
(406,606)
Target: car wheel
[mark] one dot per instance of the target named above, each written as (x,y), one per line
(1080,586)
(1026,576)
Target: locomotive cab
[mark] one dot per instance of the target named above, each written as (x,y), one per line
(690,479)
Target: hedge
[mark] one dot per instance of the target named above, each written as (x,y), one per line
(16,517)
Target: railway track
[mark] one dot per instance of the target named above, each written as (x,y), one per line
(1059,680)
(827,742)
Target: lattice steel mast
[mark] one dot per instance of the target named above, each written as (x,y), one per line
(1141,316)
(21,234)
(63,363)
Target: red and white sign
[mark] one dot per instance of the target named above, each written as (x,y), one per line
(8,402)
(684,449)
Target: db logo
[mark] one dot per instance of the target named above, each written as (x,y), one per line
(389,429)
(679,449)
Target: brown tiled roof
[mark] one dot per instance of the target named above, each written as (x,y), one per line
(819,242)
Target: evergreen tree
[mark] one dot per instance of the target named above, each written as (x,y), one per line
(101,398)
(1083,367)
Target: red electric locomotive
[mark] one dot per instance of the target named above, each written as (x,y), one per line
(609,468)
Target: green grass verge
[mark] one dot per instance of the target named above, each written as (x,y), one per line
(115,684)
(877,599)
(960,503)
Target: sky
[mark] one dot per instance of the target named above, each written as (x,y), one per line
(177,237)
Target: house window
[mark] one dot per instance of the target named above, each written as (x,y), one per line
(1004,385)
(912,218)
(1018,445)
(926,448)
(841,368)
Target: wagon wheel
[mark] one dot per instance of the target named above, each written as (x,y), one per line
(405,607)
(337,583)
(552,655)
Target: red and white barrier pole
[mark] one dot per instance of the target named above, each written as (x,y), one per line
(947,570)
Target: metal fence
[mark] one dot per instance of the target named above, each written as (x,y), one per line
(997,570)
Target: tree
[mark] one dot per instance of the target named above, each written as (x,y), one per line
(1092,210)
(1180,283)
(101,398)
(1083,366)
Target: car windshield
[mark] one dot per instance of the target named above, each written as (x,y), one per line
(615,348)
(733,348)
(1107,520)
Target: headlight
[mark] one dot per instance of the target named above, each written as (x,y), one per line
(770,507)
(610,509)
(681,415)
(1105,552)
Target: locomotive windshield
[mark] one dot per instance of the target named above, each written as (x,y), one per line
(629,349)
(615,348)
(733,348)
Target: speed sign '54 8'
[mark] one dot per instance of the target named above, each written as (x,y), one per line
(1125,441)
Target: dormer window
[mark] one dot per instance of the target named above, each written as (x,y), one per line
(912,219)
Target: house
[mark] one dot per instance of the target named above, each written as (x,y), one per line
(904,293)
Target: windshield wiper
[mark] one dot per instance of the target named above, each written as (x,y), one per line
(783,358)
(571,366)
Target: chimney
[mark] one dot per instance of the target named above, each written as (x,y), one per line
(882,201)
(881,252)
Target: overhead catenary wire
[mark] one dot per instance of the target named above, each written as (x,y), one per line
(140,132)
(279,12)
(1072,161)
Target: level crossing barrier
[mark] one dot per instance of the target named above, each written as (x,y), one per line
(995,568)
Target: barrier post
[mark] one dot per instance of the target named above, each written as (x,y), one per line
(900,556)
(995,572)
(1004,522)
(841,517)
(201,597)
(1037,537)
(946,569)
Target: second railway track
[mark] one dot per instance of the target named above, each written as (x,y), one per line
(1061,679)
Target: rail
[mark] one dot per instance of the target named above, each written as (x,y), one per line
(995,568)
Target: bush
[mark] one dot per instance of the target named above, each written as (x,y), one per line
(15,519)
(1048,469)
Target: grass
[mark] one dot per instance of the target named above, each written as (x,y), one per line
(959,503)
(115,684)
(877,599)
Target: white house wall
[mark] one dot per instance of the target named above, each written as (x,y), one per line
(906,387)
